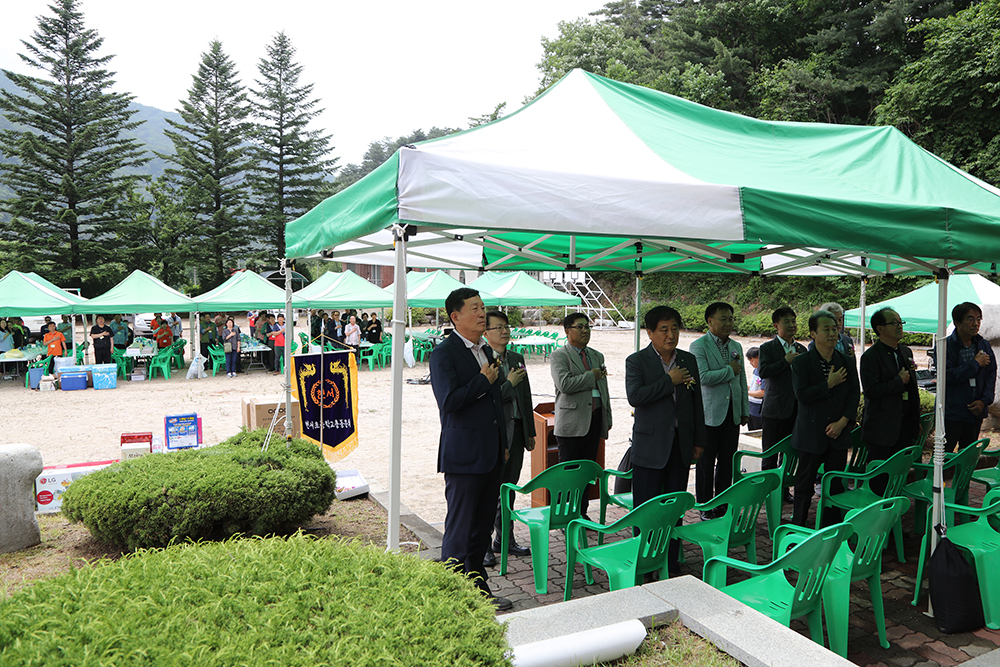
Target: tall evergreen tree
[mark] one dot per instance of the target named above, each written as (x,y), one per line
(292,160)
(69,172)
(213,157)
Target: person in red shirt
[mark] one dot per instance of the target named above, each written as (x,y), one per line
(56,343)
(277,334)
(162,333)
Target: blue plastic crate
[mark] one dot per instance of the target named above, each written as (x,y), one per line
(72,381)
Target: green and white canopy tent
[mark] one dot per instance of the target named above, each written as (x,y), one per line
(520,289)
(429,290)
(596,174)
(341,290)
(24,294)
(919,307)
(244,289)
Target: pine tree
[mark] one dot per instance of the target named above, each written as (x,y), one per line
(292,161)
(71,160)
(212,158)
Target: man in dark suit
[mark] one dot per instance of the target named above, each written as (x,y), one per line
(473,442)
(892,401)
(519,420)
(669,428)
(826,387)
(775,369)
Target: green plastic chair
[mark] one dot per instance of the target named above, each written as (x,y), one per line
(989,476)
(161,362)
(980,539)
(566,483)
(769,591)
(789,466)
(177,353)
(738,526)
(610,498)
(963,464)
(859,559)
(366,354)
(123,362)
(897,467)
(305,341)
(859,452)
(627,560)
(80,349)
(926,424)
(218,358)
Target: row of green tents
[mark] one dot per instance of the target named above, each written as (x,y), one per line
(26,294)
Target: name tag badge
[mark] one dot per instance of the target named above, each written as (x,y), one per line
(972,382)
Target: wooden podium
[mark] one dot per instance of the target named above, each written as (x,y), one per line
(546,451)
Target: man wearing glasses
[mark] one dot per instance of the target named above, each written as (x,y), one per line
(583,407)
(971,377)
(889,381)
(519,421)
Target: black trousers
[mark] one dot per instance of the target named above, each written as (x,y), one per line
(805,484)
(511,470)
(472,502)
(882,452)
(961,433)
(648,483)
(102,355)
(584,447)
(714,470)
(774,431)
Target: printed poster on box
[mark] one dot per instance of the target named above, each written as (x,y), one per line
(181,431)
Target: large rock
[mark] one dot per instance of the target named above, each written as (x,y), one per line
(19,466)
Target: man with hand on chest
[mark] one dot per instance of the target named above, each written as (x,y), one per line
(473,443)
(519,420)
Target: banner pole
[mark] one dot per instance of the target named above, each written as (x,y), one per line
(396,403)
(289,332)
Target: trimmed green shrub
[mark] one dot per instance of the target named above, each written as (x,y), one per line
(289,602)
(208,493)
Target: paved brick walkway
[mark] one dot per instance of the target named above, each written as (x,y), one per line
(913,637)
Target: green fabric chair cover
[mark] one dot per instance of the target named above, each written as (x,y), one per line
(627,560)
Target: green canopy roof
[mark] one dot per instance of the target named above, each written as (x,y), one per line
(341,290)
(520,289)
(919,308)
(243,290)
(138,293)
(596,174)
(429,290)
(26,294)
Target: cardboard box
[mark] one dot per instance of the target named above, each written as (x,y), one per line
(50,485)
(261,410)
(350,484)
(135,445)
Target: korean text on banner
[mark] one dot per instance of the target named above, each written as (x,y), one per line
(326,385)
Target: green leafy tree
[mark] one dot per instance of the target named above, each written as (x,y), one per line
(291,159)
(212,159)
(600,48)
(496,114)
(70,156)
(947,100)
(152,233)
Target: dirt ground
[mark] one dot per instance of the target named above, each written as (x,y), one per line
(83,426)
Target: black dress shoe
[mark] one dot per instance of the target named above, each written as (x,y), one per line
(501,604)
(513,548)
(490,559)
(786,497)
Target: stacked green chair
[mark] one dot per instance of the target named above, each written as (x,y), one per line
(610,498)
(859,559)
(738,526)
(124,363)
(177,353)
(789,466)
(897,467)
(566,483)
(989,476)
(218,358)
(627,560)
(42,362)
(161,362)
(964,466)
(768,590)
(384,354)
(926,424)
(366,354)
(980,539)
(80,349)
(305,341)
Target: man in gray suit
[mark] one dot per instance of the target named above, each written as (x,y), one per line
(518,414)
(669,428)
(727,406)
(583,406)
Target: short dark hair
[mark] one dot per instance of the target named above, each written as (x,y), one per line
(456,300)
(780,313)
(573,317)
(878,318)
(713,308)
(498,314)
(959,312)
(660,314)
(753,353)
(817,316)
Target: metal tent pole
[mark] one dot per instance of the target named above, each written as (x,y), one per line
(289,333)
(396,400)
(638,301)
(861,328)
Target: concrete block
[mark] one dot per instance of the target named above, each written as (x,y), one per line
(742,632)
(582,614)
(991,659)
(19,466)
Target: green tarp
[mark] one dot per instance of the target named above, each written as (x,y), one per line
(28,294)
(244,290)
(520,289)
(429,290)
(138,293)
(340,291)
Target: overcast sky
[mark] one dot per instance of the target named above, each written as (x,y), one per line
(380,68)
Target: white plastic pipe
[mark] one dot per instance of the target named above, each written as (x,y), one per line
(583,648)
(396,397)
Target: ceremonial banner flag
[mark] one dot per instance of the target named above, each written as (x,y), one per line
(326,384)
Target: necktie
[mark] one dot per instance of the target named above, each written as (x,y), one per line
(583,355)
